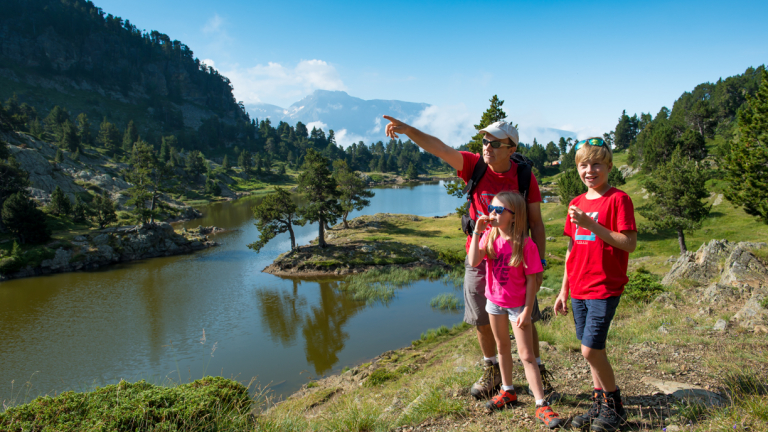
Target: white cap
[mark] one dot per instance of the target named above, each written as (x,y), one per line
(501,130)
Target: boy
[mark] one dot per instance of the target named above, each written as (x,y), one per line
(601,225)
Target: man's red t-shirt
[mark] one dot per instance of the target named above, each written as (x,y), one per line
(490,184)
(597,270)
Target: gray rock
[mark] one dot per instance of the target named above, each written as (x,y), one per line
(701,266)
(686,392)
(721,325)
(550,239)
(753,314)
(742,267)
(59,261)
(80,239)
(717,293)
(663,330)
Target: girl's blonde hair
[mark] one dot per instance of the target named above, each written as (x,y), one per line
(515,202)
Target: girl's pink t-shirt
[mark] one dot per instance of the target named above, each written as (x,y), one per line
(505,285)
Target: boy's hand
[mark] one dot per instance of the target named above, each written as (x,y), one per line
(561,305)
(482,223)
(580,218)
(523,320)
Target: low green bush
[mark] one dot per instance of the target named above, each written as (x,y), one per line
(379,377)
(205,405)
(643,286)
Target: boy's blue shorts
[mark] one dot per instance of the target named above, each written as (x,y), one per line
(593,319)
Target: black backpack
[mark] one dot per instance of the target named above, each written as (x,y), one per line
(524,168)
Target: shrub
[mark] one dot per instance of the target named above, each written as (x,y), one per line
(379,377)
(643,286)
(199,405)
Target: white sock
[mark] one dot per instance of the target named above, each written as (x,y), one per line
(538,361)
(493,359)
(508,388)
(539,402)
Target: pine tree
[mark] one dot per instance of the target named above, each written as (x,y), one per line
(195,164)
(354,192)
(225,163)
(746,164)
(146,175)
(212,187)
(493,114)
(24,220)
(60,204)
(562,146)
(104,210)
(677,189)
(320,190)
(80,211)
(616,178)
(13,179)
(553,153)
(411,172)
(108,135)
(59,158)
(84,129)
(569,186)
(130,136)
(275,214)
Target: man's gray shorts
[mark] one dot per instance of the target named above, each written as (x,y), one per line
(474,296)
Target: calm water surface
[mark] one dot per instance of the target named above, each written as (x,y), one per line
(210,313)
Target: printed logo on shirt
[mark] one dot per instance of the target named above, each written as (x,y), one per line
(590,236)
(501,269)
(485,199)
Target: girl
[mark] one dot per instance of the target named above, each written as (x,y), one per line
(512,264)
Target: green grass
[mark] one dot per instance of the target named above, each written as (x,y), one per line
(446,301)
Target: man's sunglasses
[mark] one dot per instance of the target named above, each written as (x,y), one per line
(496,144)
(498,209)
(592,141)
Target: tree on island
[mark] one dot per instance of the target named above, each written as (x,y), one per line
(354,190)
(275,214)
(746,164)
(104,210)
(676,190)
(24,220)
(320,189)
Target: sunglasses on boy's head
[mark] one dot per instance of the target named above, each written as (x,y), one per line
(498,209)
(497,144)
(592,141)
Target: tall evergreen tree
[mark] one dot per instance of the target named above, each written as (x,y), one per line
(746,164)
(677,189)
(553,153)
(81,210)
(195,164)
(225,163)
(60,204)
(68,138)
(562,146)
(108,135)
(493,114)
(320,190)
(354,190)
(104,210)
(275,214)
(130,136)
(84,129)
(24,220)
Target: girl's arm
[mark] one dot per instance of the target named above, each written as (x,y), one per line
(561,303)
(476,253)
(531,286)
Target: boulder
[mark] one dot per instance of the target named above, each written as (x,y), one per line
(59,261)
(721,325)
(742,267)
(753,314)
(702,266)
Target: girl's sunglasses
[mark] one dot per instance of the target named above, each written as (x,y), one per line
(498,209)
(495,144)
(592,141)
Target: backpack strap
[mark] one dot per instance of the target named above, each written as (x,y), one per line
(477,174)
(524,168)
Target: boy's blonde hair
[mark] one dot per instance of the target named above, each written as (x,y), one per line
(589,152)
(515,202)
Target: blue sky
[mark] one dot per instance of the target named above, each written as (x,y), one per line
(568,65)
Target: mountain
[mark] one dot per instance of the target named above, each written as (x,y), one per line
(351,118)
(73,54)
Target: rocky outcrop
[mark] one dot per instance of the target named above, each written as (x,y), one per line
(627,171)
(732,275)
(113,245)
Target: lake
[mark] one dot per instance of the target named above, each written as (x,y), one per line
(210,313)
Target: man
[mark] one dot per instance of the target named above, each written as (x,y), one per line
(499,142)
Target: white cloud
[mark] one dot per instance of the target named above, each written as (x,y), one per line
(282,85)
(453,124)
(318,125)
(376,126)
(345,138)
(209,62)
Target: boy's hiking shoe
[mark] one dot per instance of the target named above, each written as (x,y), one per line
(546,384)
(489,382)
(585,420)
(612,414)
(502,400)
(546,415)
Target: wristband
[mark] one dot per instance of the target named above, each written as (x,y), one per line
(544,263)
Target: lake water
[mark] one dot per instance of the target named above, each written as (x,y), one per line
(210,313)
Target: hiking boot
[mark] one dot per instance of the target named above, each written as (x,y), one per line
(546,415)
(489,382)
(502,400)
(612,414)
(585,420)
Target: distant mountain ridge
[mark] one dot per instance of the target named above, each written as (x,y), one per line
(354,119)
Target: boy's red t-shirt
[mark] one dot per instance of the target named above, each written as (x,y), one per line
(490,184)
(597,270)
